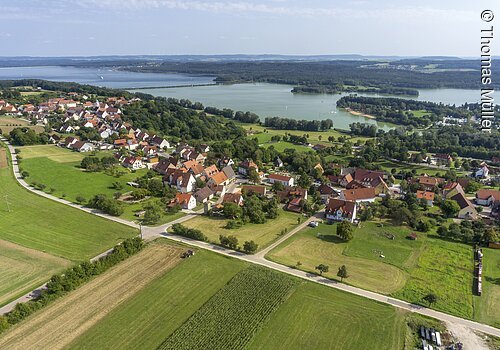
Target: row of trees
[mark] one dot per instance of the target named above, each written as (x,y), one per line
(70,279)
(294,124)
(232,242)
(178,229)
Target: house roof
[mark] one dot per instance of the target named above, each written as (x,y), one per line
(359,194)
(253,189)
(279,177)
(182,198)
(325,189)
(232,198)
(427,195)
(203,193)
(462,201)
(219,178)
(228,170)
(487,193)
(347,207)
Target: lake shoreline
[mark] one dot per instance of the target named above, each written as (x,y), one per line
(360,114)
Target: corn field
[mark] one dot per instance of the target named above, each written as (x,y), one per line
(235,313)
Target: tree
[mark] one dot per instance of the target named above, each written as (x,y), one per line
(322,269)
(232,210)
(431,298)
(250,247)
(253,176)
(450,208)
(342,273)
(229,241)
(278,186)
(344,230)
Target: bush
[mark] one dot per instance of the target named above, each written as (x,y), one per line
(107,205)
(178,229)
(250,247)
(230,241)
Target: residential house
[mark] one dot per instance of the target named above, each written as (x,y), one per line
(245,166)
(428,183)
(81,146)
(441,159)
(339,210)
(326,192)
(218,179)
(132,162)
(482,172)
(467,210)
(235,198)
(427,196)
(282,179)
(248,189)
(203,194)
(185,200)
(185,182)
(164,164)
(359,195)
(160,142)
(451,189)
(487,197)
(278,163)
(229,172)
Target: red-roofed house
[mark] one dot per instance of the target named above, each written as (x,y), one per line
(427,196)
(359,195)
(339,210)
(283,179)
(487,197)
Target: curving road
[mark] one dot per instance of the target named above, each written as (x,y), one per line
(259,258)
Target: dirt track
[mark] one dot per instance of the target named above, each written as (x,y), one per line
(3,158)
(63,321)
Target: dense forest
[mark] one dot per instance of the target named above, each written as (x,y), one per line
(451,73)
(169,118)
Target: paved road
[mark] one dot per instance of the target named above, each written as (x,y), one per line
(259,258)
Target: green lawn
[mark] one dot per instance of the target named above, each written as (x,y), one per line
(409,269)
(58,169)
(262,234)
(314,246)
(445,269)
(144,321)
(318,317)
(23,269)
(45,225)
(68,180)
(387,165)
(486,306)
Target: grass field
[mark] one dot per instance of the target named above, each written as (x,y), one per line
(154,313)
(262,234)
(317,317)
(23,269)
(239,310)
(41,224)
(64,320)
(7,124)
(409,269)
(445,269)
(69,181)
(486,306)
(369,272)
(387,165)
(58,169)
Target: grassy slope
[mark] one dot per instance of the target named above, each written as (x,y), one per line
(445,269)
(160,308)
(22,269)
(318,317)
(486,306)
(262,234)
(44,225)
(368,272)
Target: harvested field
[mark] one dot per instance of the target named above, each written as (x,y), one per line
(23,269)
(57,325)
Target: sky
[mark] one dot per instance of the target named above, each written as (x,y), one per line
(312,27)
